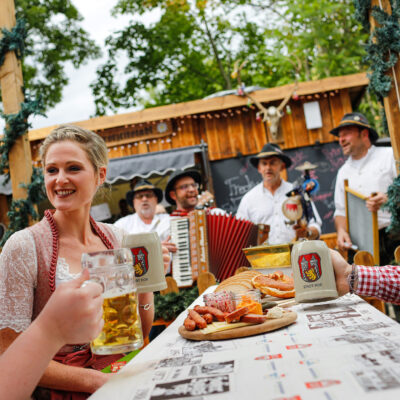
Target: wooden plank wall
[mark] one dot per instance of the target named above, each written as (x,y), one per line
(228,132)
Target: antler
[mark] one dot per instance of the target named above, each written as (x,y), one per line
(236,70)
(271,114)
(288,97)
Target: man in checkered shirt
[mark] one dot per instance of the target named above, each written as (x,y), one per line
(381,282)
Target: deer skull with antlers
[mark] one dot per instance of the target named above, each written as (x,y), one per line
(272,115)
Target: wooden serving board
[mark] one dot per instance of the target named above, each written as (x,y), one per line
(269,325)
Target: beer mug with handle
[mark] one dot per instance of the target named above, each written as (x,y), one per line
(122,331)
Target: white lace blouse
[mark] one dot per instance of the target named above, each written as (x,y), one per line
(18,278)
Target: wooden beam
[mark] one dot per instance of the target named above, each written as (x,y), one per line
(11,82)
(392,101)
(210,105)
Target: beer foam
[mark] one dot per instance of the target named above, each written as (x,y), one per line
(115,292)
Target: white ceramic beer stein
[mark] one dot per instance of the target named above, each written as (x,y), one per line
(147,261)
(314,278)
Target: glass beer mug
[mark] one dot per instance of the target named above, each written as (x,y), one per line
(122,331)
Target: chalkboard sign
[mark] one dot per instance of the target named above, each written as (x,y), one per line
(234,177)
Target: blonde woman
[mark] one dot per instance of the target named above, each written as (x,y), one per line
(37,259)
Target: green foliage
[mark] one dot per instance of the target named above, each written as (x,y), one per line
(13,40)
(383,46)
(393,206)
(21,210)
(16,126)
(54,38)
(189,51)
(169,306)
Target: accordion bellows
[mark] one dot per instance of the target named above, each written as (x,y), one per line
(209,242)
(227,236)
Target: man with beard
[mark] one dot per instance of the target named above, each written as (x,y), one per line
(263,203)
(370,170)
(182,190)
(144,197)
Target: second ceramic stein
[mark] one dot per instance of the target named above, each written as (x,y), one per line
(314,278)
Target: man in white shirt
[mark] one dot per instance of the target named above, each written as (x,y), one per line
(144,197)
(263,203)
(370,170)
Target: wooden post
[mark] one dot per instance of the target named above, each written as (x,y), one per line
(11,82)
(392,101)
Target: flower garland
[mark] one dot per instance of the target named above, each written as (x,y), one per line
(17,125)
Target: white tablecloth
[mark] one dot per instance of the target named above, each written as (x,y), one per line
(338,350)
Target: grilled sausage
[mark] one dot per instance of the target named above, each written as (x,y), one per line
(208,318)
(201,309)
(198,319)
(218,314)
(189,324)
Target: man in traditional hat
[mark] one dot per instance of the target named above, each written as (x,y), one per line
(182,190)
(370,170)
(144,198)
(263,203)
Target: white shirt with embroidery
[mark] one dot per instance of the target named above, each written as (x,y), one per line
(18,278)
(373,173)
(132,223)
(260,206)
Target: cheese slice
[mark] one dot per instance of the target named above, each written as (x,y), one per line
(223,326)
(275,312)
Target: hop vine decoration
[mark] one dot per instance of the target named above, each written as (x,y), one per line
(361,13)
(13,40)
(21,210)
(16,125)
(382,54)
(384,44)
(393,206)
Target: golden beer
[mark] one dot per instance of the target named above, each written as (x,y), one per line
(122,330)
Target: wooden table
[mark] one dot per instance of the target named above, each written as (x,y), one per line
(343,349)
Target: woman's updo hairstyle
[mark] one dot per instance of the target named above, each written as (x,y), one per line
(91,143)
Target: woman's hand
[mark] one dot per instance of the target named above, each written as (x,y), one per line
(74,312)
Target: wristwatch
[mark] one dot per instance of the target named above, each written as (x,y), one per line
(352,278)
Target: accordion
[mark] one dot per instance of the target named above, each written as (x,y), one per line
(209,242)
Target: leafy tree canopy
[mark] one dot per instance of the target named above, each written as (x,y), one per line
(190,50)
(54,39)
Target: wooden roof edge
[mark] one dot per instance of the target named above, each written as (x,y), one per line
(209,105)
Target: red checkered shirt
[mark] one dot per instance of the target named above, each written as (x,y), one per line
(382,282)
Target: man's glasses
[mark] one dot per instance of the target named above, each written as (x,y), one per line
(188,186)
(140,195)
